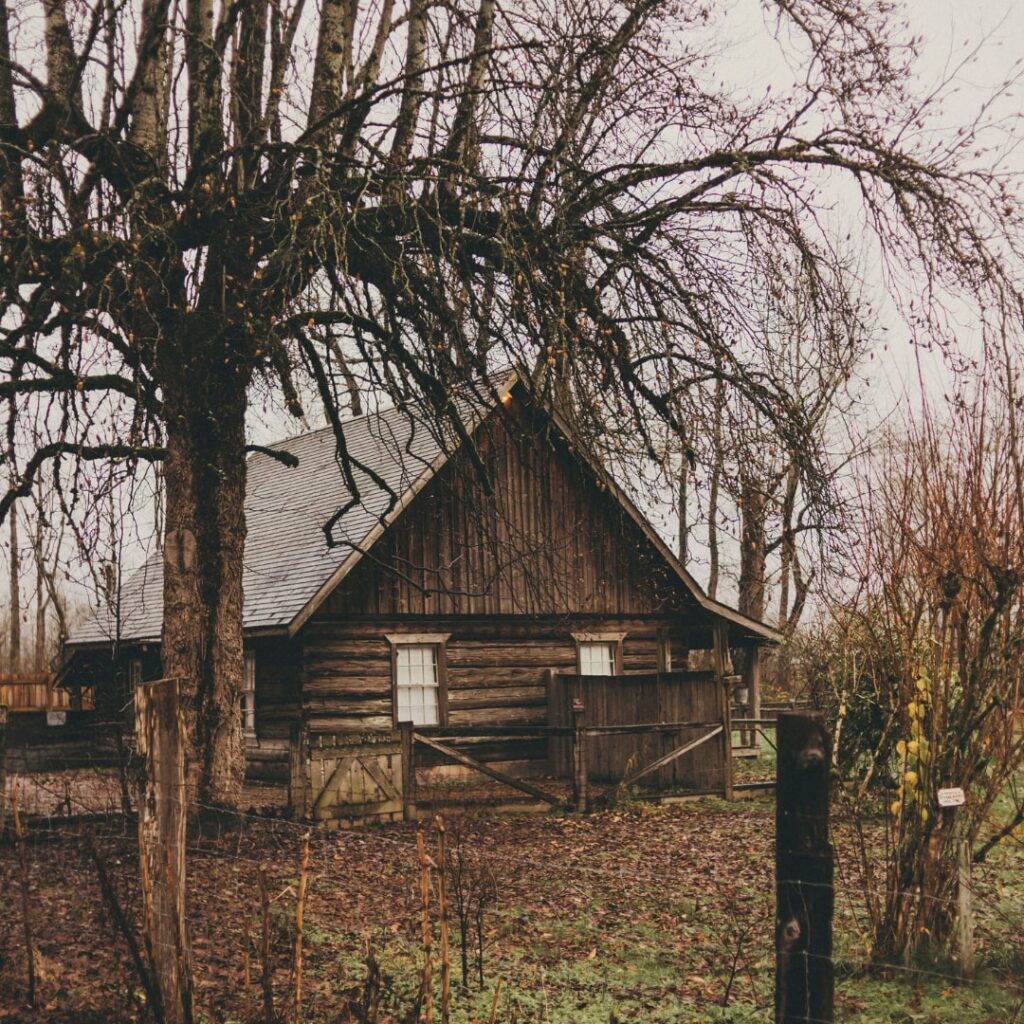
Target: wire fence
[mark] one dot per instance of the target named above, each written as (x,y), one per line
(638,911)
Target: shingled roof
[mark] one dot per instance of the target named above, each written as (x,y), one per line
(287,559)
(288,566)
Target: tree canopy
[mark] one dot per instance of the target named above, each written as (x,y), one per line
(200,200)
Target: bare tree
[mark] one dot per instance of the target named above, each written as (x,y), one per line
(14,594)
(930,639)
(202,199)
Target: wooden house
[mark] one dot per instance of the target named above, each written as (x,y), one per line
(449,594)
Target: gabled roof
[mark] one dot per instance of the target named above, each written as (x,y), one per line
(288,567)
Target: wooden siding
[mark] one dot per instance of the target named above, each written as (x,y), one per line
(496,671)
(33,693)
(509,577)
(650,697)
(548,541)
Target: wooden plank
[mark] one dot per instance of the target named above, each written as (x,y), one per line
(647,727)
(469,762)
(341,766)
(671,756)
(371,765)
(497,697)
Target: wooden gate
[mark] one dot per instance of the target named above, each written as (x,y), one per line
(350,776)
(695,698)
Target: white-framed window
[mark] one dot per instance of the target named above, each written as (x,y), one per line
(597,658)
(598,654)
(249,694)
(419,677)
(417,684)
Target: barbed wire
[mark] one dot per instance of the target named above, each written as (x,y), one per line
(258,827)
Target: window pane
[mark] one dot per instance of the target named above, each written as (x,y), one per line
(597,659)
(416,680)
(249,694)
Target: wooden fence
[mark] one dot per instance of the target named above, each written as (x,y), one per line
(651,700)
(664,731)
(32,693)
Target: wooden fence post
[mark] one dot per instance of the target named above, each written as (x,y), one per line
(805,899)
(722,668)
(752,681)
(965,913)
(408,772)
(162,818)
(298,758)
(727,765)
(579,757)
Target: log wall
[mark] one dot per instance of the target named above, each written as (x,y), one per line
(496,671)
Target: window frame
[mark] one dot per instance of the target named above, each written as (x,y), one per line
(248,705)
(439,641)
(601,637)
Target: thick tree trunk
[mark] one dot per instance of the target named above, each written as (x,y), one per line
(753,549)
(204,475)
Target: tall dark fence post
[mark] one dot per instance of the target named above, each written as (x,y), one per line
(803,873)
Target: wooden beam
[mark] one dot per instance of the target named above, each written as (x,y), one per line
(642,727)
(469,762)
(723,668)
(670,757)
(752,681)
(344,763)
(408,772)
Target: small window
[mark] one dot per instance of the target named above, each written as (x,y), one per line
(597,659)
(419,678)
(417,686)
(598,654)
(249,694)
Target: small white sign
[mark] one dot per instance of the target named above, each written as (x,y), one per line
(953,797)
(56,718)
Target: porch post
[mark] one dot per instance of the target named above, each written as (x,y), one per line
(752,681)
(722,668)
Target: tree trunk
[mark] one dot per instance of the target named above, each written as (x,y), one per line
(15,595)
(204,476)
(753,549)
(40,656)
(41,597)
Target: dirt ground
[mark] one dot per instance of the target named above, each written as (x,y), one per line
(637,913)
